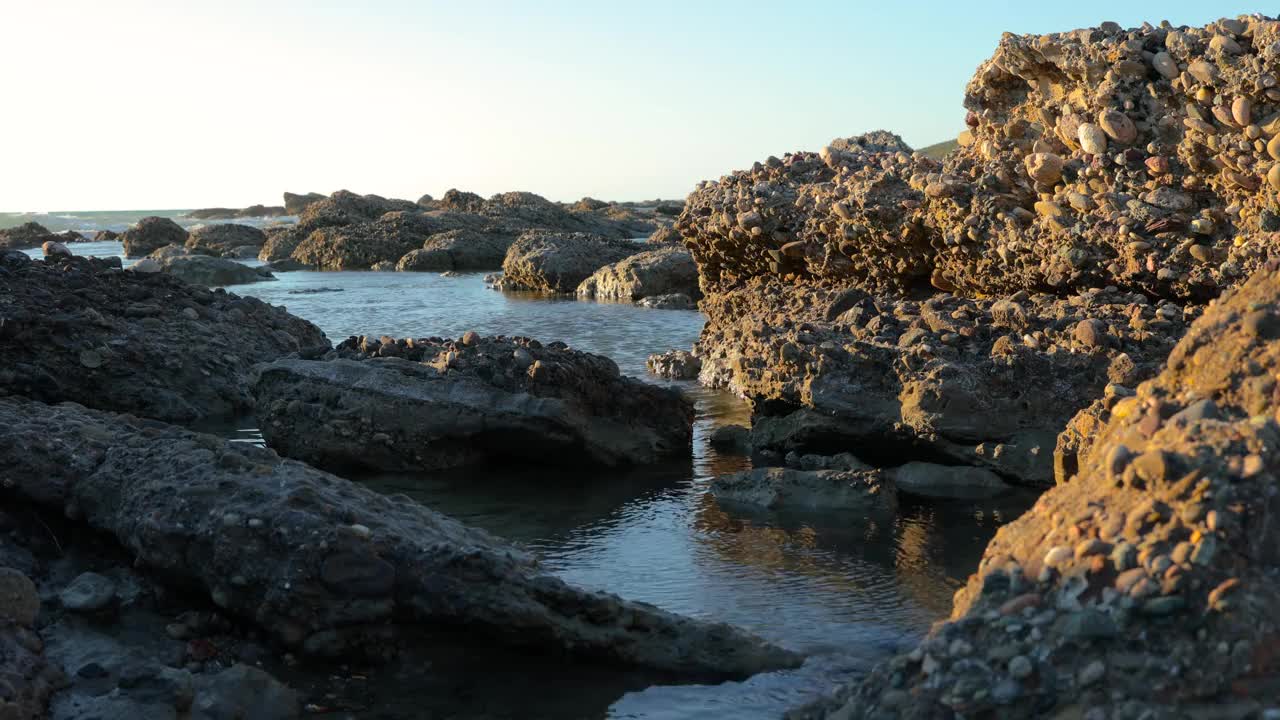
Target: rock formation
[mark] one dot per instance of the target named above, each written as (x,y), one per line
(79,329)
(296,204)
(460,249)
(27,235)
(225,240)
(433,403)
(150,234)
(665,271)
(253,211)
(324,566)
(205,270)
(559,262)
(1146,584)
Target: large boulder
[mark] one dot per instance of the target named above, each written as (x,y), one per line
(665,271)
(146,343)
(559,262)
(280,242)
(425,404)
(322,565)
(27,235)
(458,250)
(345,208)
(150,234)
(1146,585)
(296,204)
(225,239)
(360,245)
(205,270)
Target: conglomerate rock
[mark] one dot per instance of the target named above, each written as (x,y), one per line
(1146,584)
(323,565)
(981,382)
(225,239)
(147,343)
(150,234)
(557,262)
(652,273)
(424,404)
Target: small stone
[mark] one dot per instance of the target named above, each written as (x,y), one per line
(1205,550)
(89,592)
(91,359)
(1092,673)
(1164,64)
(1091,547)
(1006,691)
(1057,556)
(1090,333)
(19,600)
(1044,167)
(1242,111)
(190,314)
(1117,126)
(1126,580)
(1092,139)
(1166,605)
(471,338)
(1020,667)
(1089,624)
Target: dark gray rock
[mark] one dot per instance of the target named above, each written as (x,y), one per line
(150,234)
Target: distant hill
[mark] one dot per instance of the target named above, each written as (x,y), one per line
(937,151)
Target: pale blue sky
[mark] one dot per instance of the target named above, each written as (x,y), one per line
(140,103)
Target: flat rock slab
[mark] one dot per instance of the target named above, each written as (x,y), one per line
(429,404)
(322,564)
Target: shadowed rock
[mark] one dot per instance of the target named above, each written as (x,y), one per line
(1145,585)
(423,404)
(559,262)
(323,565)
(150,234)
(148,343)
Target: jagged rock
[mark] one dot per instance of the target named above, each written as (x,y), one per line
(323,565)
(106,236)
(666,235)
(458,250)
(29,679)
(665,271)
(55,249)
(675,365)
(977,382)
(281,241)
(359,245)
(432,403)
(145,343)
(559,262)
(296,204)
(1145,585)
(779,488)
(345,208)
(25,236)
(150,234)
(225,239)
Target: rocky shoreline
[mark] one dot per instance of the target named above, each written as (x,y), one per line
(1038,306)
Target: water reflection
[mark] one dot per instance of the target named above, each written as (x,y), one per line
(847,587)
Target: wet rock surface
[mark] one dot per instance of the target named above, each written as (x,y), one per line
(560,262)
(322,565)
(83,330)
(1145,584)
(776,488)
(419,404)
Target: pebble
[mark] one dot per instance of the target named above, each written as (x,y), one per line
(1164,64)
(1057,556)
(19,600)
(1044,167)
(1021,667)
(1092,673)
(89,592)
(1118,127)
(1093,139)
(471,338)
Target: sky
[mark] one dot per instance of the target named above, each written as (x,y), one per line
(142,104)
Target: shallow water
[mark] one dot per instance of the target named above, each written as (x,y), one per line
(845,587)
